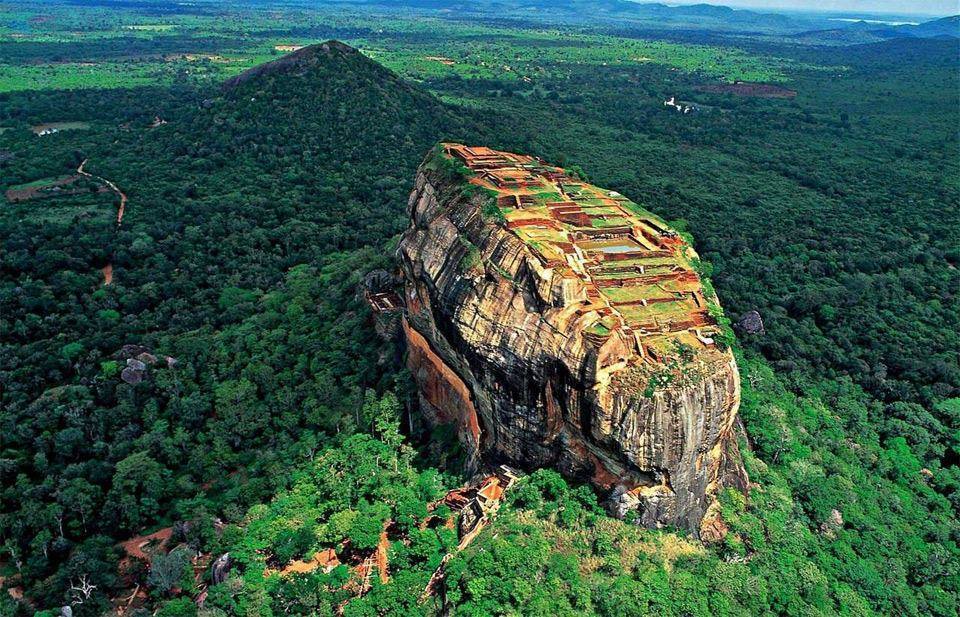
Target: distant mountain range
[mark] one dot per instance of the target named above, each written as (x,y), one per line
(870,32)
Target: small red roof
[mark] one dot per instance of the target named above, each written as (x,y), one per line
(491,489)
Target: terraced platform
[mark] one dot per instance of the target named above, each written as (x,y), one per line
(637,273)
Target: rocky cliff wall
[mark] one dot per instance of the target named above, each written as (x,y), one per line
(537,369)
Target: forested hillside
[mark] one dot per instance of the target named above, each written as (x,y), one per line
(251,221)
(256,209)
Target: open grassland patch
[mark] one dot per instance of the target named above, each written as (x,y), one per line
(44,187)
(124,74)
(86,206)
(47,128)
(76,75)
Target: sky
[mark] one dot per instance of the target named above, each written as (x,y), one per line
(927,7)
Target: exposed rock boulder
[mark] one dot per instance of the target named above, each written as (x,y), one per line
(140,359)
(134,372)
(380,281)
(833,524)
(713,528)
(750,323)
(220,568)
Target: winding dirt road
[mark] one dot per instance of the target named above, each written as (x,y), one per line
(107,270)
(113,187)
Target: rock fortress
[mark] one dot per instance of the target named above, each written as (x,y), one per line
(558,324)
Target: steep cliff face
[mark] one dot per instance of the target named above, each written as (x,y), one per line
(556,324)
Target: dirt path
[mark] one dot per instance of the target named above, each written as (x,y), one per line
(107,269)
(113,187)
(382,548)
(143,547)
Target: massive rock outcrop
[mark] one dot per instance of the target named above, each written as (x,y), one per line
(558,324)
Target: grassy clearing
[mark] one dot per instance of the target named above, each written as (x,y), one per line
(39,183)
(59,126)
(125,74)
(76,75)
(90,207)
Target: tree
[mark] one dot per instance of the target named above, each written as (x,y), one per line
(170,570)
(178,607)
(138,487)
(364,533)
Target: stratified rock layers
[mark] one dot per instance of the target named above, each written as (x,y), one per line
(537,369)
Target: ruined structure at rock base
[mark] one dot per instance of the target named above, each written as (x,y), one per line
(472,507)
(379,290)
(557,324)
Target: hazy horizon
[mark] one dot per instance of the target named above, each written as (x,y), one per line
(909,7)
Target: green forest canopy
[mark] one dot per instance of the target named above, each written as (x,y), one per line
(255,212)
